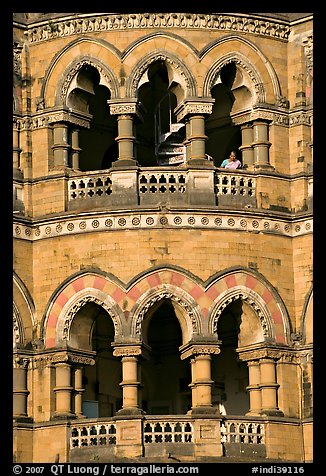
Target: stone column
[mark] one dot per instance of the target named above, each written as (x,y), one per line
(78,391)
(127,111)
(195,111)
(20,391)
(75,149)
(202,382)
(261,144)
(16,150)
(246,145)
(60,144)
(254,388)
(63,391)
(130,384)
(269,386)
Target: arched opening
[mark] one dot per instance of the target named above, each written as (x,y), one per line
(165,377)
(98,146)
(230,375)
(231,96)
(159,137)
(103,395)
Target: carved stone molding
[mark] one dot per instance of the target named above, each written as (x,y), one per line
(193,350)
(78,305)
(45,360)
(281,119)
(307,43)
(158,296)
(106,22)
(138,72)
(194,107)
(128,351)
(126,108)
(128,220)
(20,362)
(300,118)
(17,51)
(47,118)
(249,299)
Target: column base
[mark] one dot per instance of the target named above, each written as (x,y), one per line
(130,411)
(204,410)
(64,416)
(22,419)
(271,412)
(262,167)
(200,162)
(124,163)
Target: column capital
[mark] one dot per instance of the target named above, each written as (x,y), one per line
(131,350)
(70,356)
(194,106)
(199,349)
(126,107)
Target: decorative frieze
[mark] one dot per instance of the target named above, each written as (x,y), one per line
(145,220)
(45,119)
(107,22)
(17,66)
(44,360)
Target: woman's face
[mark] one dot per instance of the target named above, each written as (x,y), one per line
(232,156)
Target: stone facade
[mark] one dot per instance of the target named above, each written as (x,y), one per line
(162,309)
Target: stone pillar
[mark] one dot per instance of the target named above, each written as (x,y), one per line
(246,146)
(130,384)
(16,150)
(20,391)
(269,386)
(63,391)
(60,145)
(254,388)
(78,391)
(127,111)
(202,382)
(75,149)
(261,145)
(195,111)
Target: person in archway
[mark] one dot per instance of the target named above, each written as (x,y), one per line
(232,162)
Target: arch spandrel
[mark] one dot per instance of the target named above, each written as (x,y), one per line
(186,310)
(178,72)
(265,85)
(70,60)
(197,306)
(262,298)
(24,316)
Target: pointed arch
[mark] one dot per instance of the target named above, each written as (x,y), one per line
(68,61)
(306,327)
(24,315)
(186,309)
(251,60)
(69,299)
(258,294)
(179,72)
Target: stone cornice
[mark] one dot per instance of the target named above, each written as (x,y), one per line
(126,220)
(47,118)
(87,23)
(63,356)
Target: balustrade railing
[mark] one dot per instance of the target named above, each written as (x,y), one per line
(154,185)
(237,431)
(165,431)
(93,434)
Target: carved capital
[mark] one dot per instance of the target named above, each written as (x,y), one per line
(194,350)
(193,107)
(126,108)
(132,350)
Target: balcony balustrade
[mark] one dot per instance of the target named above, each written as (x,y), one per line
(156,185)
